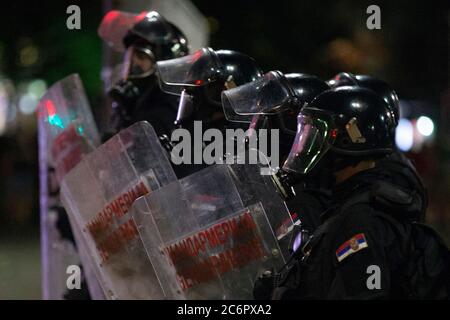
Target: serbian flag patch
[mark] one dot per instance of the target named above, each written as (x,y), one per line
(351,246)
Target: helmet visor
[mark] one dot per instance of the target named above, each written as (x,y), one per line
(267,95)
(138,63)
(310,144)
(194,70)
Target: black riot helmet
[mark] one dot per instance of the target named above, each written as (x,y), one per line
(341,126)
(379,86)
(163,38)
(201,77)
(121,29)
(145,38)
(304,88)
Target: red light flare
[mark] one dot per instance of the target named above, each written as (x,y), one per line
(141,16)
(334,133)
(46,109)
(51,110)
(119,21)
(197,54)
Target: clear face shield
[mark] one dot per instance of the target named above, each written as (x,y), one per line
(311,142)
(266,96)
(195,70)
(138,63)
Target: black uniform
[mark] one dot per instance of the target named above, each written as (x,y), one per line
(155,106)
(309,202)
(403,172)
(369,224)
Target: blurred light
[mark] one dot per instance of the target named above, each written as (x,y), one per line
(28,103)
(2,52)
(425,126)
(12,114)
(53,118)
(37,88)
(404,108)
(56,121)
(3,114)
(297,242)
(356,105)
(404,135)
(28,55)
(213,24)
(4,103)
(7,107)
(345,54)
(175,48)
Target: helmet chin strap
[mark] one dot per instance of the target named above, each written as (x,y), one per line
(331,163)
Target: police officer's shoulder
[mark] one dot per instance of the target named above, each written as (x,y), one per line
(364,240)
(364,217)
(368,239)
(402,193)
(365,228)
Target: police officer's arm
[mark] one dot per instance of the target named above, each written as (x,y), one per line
(364,254)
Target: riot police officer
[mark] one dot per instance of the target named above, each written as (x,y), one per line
(369,244)
(137,95)
(273,102)
(199,80)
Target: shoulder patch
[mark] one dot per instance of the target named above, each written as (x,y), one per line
(354,244)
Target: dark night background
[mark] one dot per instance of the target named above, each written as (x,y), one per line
(410,52)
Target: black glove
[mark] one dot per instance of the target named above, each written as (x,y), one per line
(125,95)
(264,285)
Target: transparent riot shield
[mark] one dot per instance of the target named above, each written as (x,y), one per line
(67,132)
(98,194)
(209,235)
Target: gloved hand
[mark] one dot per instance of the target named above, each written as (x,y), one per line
(125,96)
(264,285)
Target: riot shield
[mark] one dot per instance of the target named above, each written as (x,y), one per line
(98,194)
(66,132)
(209,235)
